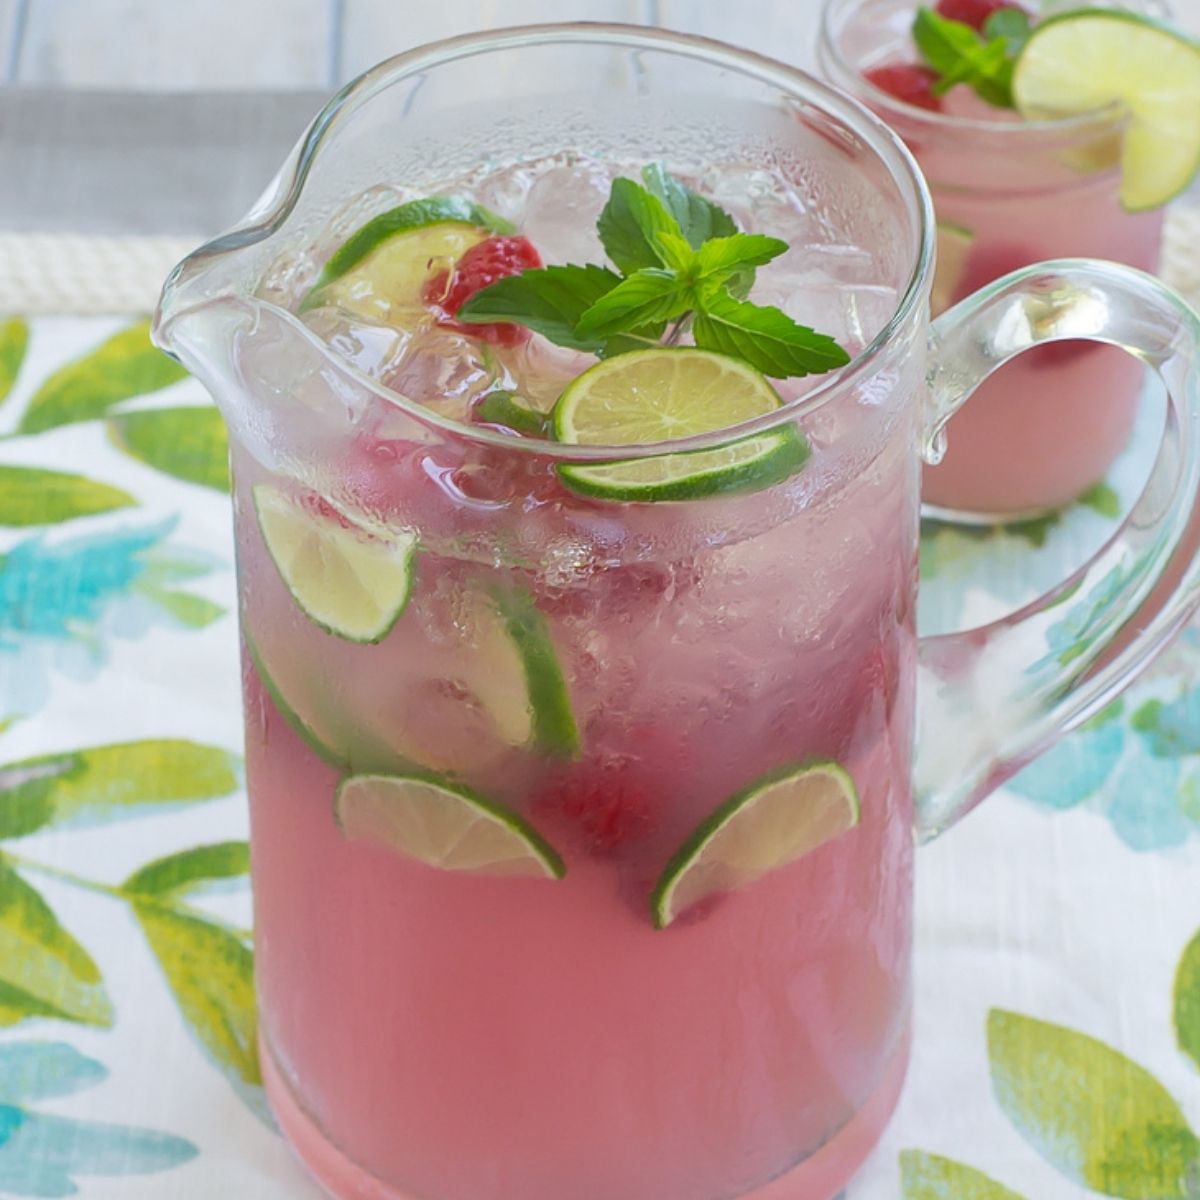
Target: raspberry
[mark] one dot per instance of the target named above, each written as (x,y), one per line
(973,12)
(480,267)
(907,82)
(604,802)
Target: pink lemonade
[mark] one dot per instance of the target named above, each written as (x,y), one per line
(1049,424)
(435,1034)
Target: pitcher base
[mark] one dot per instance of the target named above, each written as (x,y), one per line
(821,1176)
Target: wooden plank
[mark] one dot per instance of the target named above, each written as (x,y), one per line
(8,38)
(177,44)
(373,31)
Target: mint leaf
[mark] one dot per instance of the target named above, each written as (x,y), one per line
(765,337)
(1011,24)
(675,251)
(647,297)
(959,55)
(719,258)
(548,300)
(699,219)
(630,225)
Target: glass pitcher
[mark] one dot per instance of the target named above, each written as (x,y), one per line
(582,829)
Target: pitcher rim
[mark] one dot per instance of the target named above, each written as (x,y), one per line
(272,210)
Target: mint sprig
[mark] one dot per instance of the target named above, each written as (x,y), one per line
(959,54)
(680,258)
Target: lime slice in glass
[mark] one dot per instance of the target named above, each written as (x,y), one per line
(954,244)
(351,583)
(1086,60)
(545,718)
(775,821)
(664,394)
(443,825)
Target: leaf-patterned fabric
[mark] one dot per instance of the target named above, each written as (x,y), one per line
(1057,1037)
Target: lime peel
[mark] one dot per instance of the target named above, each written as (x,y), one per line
(443,825)
(776,820)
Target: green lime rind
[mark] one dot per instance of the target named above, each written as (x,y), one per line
(740,806)
(746,465)
(1088,59)
(448,797)
(298,725)
(372,755)
(359,554)
(555,732)
(505,408)
(416,214)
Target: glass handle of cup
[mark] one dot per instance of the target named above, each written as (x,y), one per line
(992,698)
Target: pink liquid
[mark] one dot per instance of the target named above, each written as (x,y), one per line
(1050,423)
(445,1036)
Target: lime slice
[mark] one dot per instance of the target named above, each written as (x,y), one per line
(773,822)
(954,244)
(505,408)
(351,583)
(547,719)
(663,394)
(1085,60)
(444,826)
(384,265)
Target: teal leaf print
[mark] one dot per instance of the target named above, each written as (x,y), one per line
(1143,802)
(930,1177)
(125,366)
(40,1155)
(210,972)
(1187,1001)
(105,783)
(1170,729)
(1099,1118)
(14,339)
(44,1071)
(44,971)
(188,443)
(1068,773)
(31,496)
(183,873)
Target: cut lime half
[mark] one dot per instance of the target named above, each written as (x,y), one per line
(775,821)
(1089,59)
(662,395)
(353,584)
(444,826)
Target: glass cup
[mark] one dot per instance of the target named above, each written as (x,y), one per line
(1008,193)
(601,676)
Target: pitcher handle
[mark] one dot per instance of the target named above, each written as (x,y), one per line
(992,698)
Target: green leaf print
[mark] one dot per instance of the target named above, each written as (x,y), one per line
(14,338)
(1187,1001)
(1102,499)
(125,366)
(184,872)
(188,443)
(32,496)
(44,971)
(210,971)
(107,783)
(195,612)
(1102,1120)
(931,1177)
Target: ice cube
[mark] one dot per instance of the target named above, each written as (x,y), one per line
(563,203)
(373,349)
(441,370)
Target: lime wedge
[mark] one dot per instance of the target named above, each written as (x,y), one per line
(663,394)
(351,583)
(954,244)
(1085,60)
(548,720)
(443,825)
(773,822)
